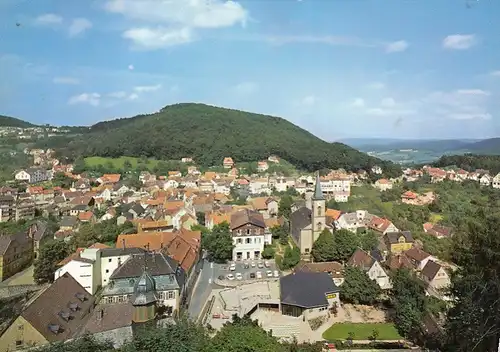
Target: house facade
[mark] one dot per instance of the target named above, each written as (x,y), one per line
(249,237)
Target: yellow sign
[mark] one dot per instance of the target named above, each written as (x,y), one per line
(331,296)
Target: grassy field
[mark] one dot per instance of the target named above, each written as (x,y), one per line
(117,162)
(361,331)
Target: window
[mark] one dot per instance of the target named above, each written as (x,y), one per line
(248,231)
(109,260)
(20,327)
(171,294)
(319,210)
(306,250)
(85,275)
(107,271)
(19,342)
(248,240)
(239,240)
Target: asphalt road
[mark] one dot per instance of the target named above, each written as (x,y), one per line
(205,282)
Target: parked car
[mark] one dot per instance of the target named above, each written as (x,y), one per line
(260,265)
(230,277)
(252,275)
(239,276)
(276,273)
(232,267)
(253,264)
(269,273)
(266,264)
(258,274)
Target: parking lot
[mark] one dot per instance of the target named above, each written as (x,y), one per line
(249,270)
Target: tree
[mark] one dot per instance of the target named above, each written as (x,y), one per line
(408,299)
(243,334)
(346,243)
(61,180)
(268,252)
(291,257)
(219,243)
(473,320)
(280,233)
(85,236)
(127,165)
(87,343)
(200,216)
(369,240)
(45,266)
(323,249)
(285,206)
(79,166)
(358,288)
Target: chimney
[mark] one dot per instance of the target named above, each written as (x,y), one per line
(123,243)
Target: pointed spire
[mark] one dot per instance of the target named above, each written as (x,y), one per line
(318,193)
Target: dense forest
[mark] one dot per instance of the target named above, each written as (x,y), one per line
(471,162)
(7,121)
(208,134)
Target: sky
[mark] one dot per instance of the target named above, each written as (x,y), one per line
(338,68)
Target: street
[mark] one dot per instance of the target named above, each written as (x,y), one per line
(205,282)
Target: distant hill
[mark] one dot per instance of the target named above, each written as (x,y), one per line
(438,146)
(486,146)
(7,121)
(208,134)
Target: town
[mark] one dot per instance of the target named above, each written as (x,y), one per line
(78,251)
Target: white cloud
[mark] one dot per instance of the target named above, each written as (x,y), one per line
(175,21)
(246,87)
(142,89)
(495,73)
(376,85)
(311,39)
(133,96)
(309,100)
(388,103)
(160,37)
(78,26)
(65,80)
(473,92)
(459,41)
(358,103)
(131,67)
(397,46)
(118,95)
(48,19)
(389,111)
(93,99)
(461,104)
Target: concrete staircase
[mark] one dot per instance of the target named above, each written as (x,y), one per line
(282,326)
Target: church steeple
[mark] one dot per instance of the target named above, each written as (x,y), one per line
(318,193)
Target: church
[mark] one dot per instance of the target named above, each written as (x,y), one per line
(306,223)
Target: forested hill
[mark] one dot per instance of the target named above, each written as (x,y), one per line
(208,134)
(471,162)
(7,121)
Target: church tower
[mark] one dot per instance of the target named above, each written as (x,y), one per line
(318,210)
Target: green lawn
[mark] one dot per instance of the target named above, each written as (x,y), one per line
(362,331)
(117,162)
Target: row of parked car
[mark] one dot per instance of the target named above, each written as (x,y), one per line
(256,275)
(247,265)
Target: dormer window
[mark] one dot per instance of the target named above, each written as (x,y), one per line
(401,239)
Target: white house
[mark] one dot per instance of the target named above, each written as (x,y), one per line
(371,266)
(262,166)
(85,268)
(113,258)
(485,180)
(377,170)
(496,181)
(249,234)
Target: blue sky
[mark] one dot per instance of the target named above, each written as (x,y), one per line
(339,68)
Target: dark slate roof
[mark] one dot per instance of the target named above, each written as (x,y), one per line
(318,193)
(430,269)
(156,264)
(44,313)
(393,237)
(299,219)
(68,221)
(306,289)
(115,252)
(80,207)
(40,228)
